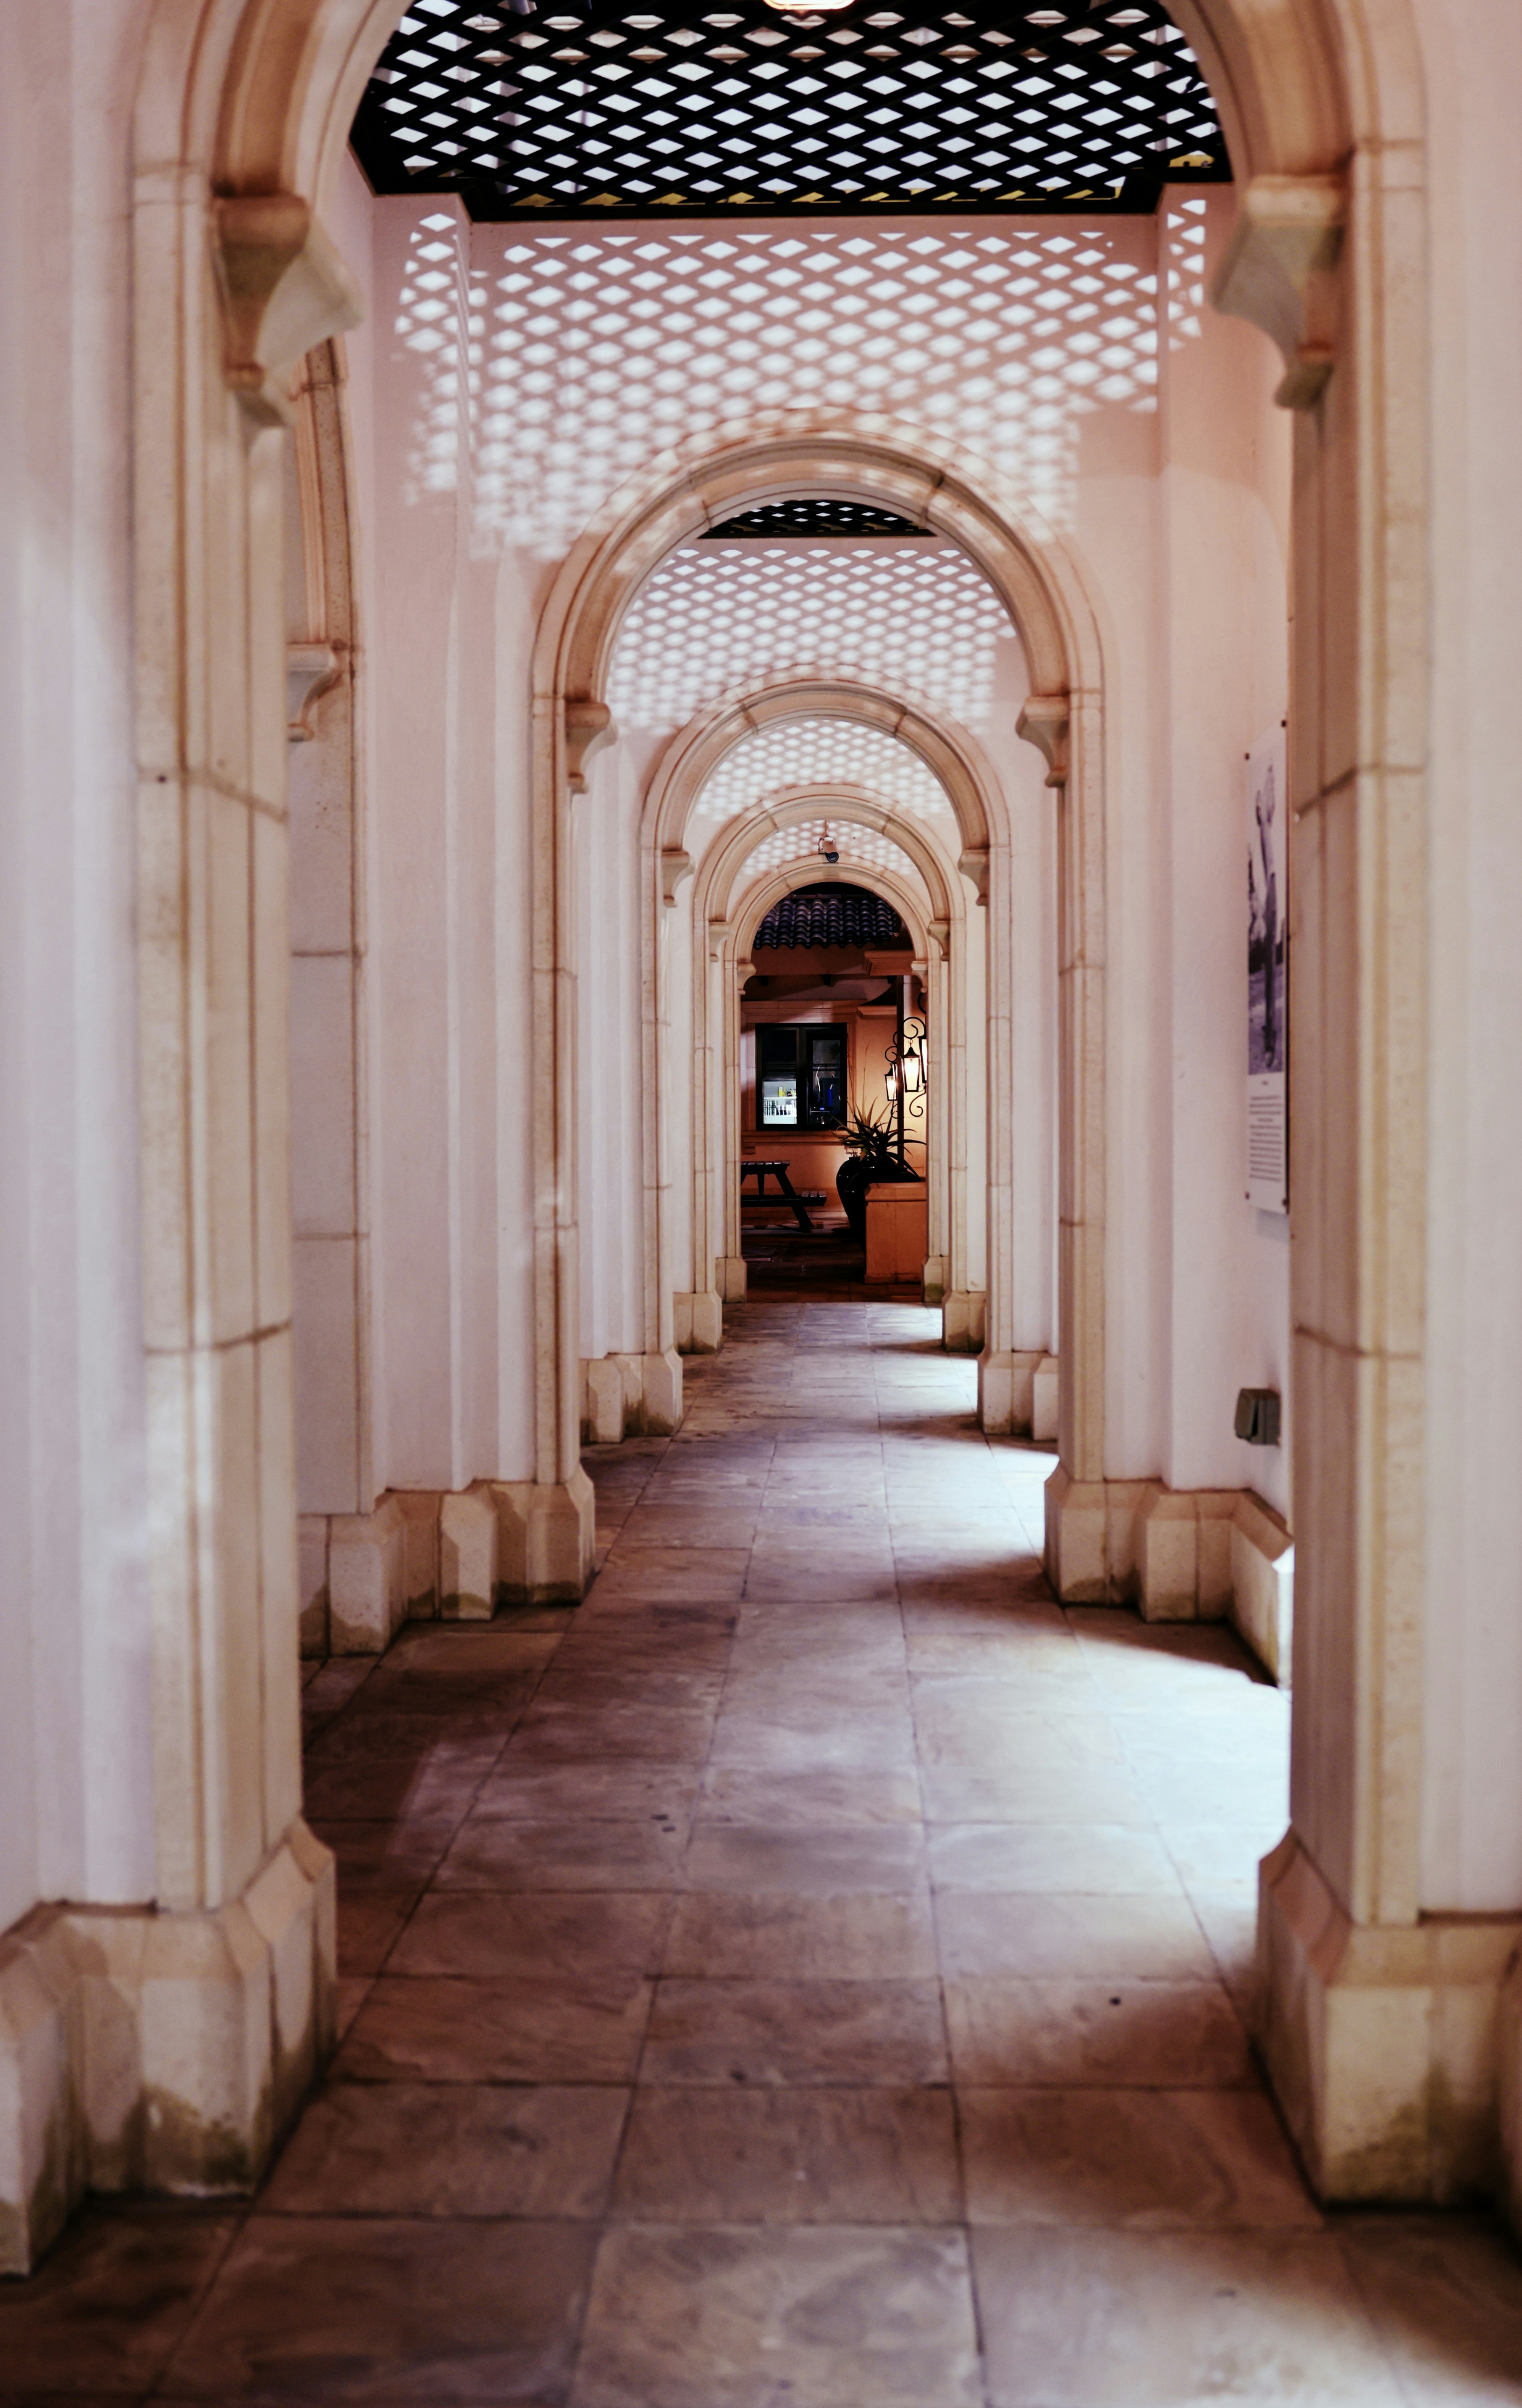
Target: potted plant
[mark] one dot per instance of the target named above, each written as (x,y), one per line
(872,1160)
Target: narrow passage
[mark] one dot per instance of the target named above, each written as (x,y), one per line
(811,1974)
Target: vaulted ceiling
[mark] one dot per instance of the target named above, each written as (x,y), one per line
(771,107)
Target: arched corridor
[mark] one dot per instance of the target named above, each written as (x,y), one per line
(596,609)
(816,1969)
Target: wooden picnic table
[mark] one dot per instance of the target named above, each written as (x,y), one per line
(758,1170)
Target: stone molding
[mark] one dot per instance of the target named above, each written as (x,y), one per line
(455,1554)
(1385,2042)
(141,2050)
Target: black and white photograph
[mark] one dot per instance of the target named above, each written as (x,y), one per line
(1267,999)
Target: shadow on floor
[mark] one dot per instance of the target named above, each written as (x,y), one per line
(817,1970)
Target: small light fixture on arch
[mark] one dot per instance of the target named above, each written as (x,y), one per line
(827,844)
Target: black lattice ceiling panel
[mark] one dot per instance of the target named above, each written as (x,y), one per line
(830,915)
(598,107)
(812,517)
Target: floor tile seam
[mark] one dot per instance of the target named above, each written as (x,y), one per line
(155,2390)
(486,1775)
(637,2069)
(1412,2394)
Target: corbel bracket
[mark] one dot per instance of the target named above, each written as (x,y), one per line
(1280,271)
(975,865)
(940,935)
(284,288)
(311,670)
(676,870)
(589,725)
(1044,722)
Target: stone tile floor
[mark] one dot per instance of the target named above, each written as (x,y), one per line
(810,1975)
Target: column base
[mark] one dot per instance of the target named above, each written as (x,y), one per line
(962,1313)
(1016,1394)
(455,1556)
(149,2051)
(1078,1548)
(1178,1555)
(1382,2043)
(1183,1553)
(1045,1400)
(631,1396)
(932,1280)
(546,1537)
(699,1322)
(729,1278)
(1263,1583)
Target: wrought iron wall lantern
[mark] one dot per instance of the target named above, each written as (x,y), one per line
(906,1078)
(907,1068)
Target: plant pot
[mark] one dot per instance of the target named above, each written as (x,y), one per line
(853,1181)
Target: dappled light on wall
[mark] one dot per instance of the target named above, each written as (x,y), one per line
(716,617)
(857,845)
(575,355)
(824,753)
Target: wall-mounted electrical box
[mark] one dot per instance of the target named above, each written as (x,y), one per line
(1258,1416)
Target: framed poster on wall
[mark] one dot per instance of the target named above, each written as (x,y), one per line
(1268,988)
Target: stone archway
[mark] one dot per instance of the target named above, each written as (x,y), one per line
(1042,585)
(727,904)
(963,771)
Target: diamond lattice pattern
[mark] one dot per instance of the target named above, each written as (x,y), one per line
(912,617)
(601,108)
(793,755)
(564,361)
(860,846)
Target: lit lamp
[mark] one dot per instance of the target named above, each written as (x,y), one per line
(806,7)
(906,1076)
